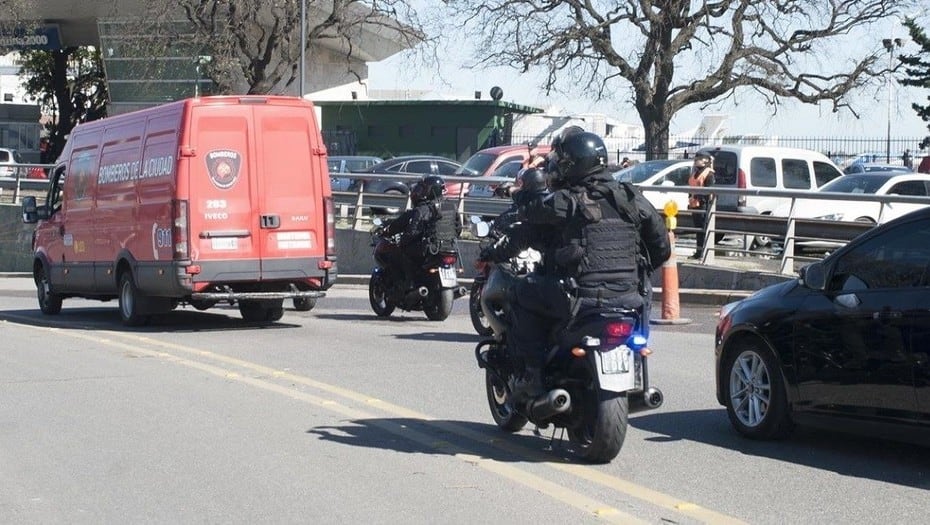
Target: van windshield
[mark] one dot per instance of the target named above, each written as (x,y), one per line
(476,165)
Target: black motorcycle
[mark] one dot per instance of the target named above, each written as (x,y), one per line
(433,288)
(521,264)
(594,375)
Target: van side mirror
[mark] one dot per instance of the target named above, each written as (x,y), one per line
(814,276)
(30,210)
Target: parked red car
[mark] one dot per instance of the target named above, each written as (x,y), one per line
(499,161)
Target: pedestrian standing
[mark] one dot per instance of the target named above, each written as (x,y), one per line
(702,176)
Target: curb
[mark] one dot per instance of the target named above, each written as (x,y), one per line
(694,296)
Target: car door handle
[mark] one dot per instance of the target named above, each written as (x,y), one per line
(886,314)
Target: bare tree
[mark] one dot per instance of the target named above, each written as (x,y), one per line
(671,54)
(254,46)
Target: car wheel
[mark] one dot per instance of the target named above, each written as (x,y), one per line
(49,302)
(756,401)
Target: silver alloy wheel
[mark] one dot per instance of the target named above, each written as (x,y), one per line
(750,389)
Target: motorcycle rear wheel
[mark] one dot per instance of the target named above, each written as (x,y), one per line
(601,433)
(378,296)
(478,320)
(440,307)
(501,404)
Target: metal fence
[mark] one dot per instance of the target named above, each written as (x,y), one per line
(841,150)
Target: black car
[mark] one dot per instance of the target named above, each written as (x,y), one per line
(847,345)
(405,165)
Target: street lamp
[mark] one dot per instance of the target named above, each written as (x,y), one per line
(303,46)
(890,44)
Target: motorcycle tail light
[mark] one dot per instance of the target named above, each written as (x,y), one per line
(616,332)
(448,259)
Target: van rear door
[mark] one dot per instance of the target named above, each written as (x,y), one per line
(251,204)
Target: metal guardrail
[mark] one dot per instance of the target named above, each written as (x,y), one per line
(356,206)
(788,231)
(21,182)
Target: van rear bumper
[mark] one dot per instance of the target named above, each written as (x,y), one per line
(231,295)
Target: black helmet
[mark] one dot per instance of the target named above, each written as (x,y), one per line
(531,180)
(429,188)
(579,155)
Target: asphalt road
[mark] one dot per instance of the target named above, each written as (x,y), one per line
(335,416)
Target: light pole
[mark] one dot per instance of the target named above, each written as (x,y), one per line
(303,47)
(890,44)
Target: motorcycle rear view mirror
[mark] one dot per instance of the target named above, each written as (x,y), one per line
(475,219)
(377,221)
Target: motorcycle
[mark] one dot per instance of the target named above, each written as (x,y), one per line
(435,283)
(594,374)
(523,263)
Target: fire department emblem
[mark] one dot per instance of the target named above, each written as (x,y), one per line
(223,167)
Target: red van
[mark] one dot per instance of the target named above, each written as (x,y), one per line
(200,201)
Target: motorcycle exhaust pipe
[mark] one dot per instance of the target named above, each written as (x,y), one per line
(651,399)
(423,291)
(551,404)
(461,291)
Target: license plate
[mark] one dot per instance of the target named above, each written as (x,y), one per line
(447,277)
(617,360)
(224,243)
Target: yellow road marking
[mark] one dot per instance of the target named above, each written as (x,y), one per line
(577,500)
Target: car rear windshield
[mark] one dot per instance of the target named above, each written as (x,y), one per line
(857,183)
(725,166)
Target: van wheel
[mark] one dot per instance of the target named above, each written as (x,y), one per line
(304,304)
(129,301)
(49,303)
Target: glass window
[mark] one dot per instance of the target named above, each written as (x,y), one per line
(911,187)
(795,174)
(446,168)
(725,168)
(897,258)
(762,172)
(419,166)
(824,173)
(509,169)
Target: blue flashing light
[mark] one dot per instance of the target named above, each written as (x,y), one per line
(636,342)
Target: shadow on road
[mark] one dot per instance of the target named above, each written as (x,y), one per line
(417,436)
(848,455)
(107,319)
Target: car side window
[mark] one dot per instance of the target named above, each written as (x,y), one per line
(679,176)
(510,169)
(824,173)
(910,187)
(395,168)
(795,174)
(762,172)
(897,258)
(446,168)
(419,166)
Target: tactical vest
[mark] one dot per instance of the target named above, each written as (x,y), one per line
(441,230)
(601,241)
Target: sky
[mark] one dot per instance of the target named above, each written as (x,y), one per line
(751,115)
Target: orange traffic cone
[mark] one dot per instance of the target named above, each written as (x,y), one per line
(671,305)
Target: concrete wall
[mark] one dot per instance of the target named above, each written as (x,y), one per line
(15,240)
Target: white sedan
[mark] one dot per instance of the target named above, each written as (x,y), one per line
(875,183)
(669,172)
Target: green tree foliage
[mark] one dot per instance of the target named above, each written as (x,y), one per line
(917,69)
(69,86)
(665,55)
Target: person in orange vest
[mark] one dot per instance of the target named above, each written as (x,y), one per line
(702,175)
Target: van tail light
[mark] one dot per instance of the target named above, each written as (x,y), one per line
(616,332)
(741,184)
(330,226)
(180,232)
